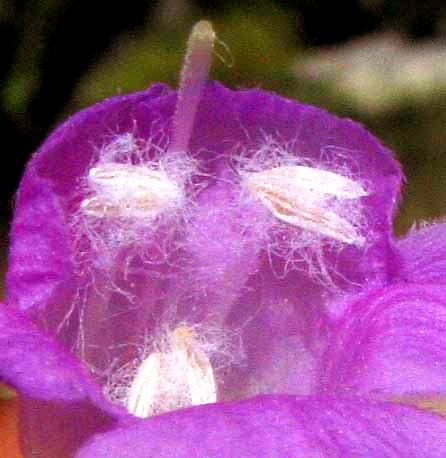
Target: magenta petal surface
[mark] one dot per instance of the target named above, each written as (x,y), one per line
(243,122)
(279,427)
(390,344)
(40,257)
(423,253)
(60,406)
(35,364)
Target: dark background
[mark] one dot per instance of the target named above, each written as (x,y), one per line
(59,56)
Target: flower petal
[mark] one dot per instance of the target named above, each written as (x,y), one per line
(391,344)
(279,426)
(34,363)
(59,406)
(260,128)
(40,257)
(423,254)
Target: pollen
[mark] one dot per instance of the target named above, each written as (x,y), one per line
(129,191)
(309,198)
(181,375)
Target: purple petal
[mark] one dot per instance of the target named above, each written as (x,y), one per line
(241,122)
(58,428)
(34,363)
(40,258)
(390,345)
(423,254)
(279,426)
(59,406)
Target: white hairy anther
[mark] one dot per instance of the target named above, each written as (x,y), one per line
(305,197)
(179,376)
(129,191)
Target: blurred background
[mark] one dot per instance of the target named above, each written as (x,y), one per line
(382,62)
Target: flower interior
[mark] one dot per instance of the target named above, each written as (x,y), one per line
(163,318)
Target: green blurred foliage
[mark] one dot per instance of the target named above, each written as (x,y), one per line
(253,50)
(6,392)
(24,76)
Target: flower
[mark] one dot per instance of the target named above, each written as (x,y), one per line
(173,249)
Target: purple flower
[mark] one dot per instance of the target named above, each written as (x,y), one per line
(232,249)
